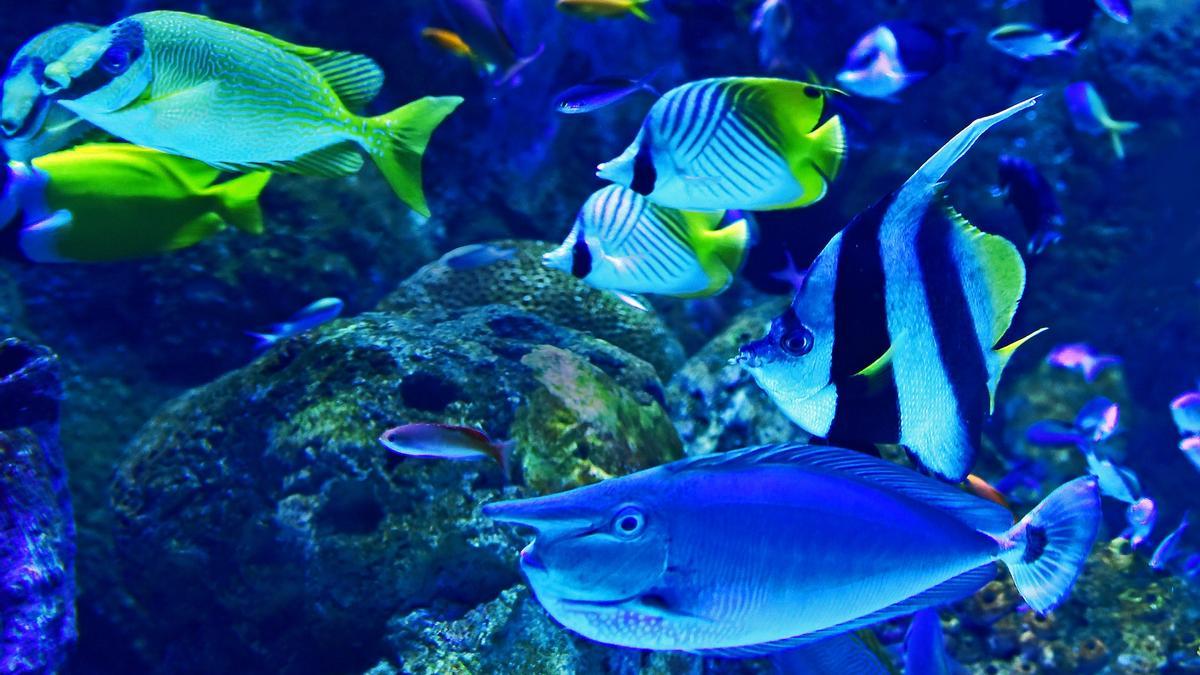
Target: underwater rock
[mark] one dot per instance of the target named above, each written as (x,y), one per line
(264,528)
(523,281)
(37,546)
(716,405)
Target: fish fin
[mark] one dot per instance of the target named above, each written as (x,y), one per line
(263,340)
(408,129)
(39,242)
(1052,432)
(978,513)
(512,73)
(877,366)
(635,8)
(632,300)
(1003,356)
(727,245)
(238,203)
(858,652)
(195,231)
(1001,269)
(1045,551)
(951,590)
(1115,131)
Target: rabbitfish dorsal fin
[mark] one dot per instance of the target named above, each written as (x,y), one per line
(978,513)
(355,78)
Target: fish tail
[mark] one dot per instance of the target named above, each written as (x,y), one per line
(1045,551)
(238,201)
(635,8)
(1115,131)
(511,74)
(829,148)
(406,132)
(263,340)
(729,243)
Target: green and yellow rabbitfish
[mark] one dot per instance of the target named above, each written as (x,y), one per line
(239,100)
(115,201)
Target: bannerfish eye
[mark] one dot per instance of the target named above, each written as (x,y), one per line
(116,60)
(797,341)
(628,523)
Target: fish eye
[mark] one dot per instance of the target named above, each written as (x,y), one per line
(115,60)
(629,522)
(797,341)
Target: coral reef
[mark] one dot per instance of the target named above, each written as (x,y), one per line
(37,546)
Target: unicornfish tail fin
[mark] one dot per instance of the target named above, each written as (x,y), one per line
(1045,551)
(238,201)
(407,131)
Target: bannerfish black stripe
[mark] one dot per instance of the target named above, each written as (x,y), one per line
(867,411)
(860,325)
(950,315)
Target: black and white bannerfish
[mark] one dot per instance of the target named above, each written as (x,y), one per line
(748,143)
(623,242)
(891,338)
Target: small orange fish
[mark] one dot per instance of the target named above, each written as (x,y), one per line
(981,488)
(596,9)
(451,42)
(446,441)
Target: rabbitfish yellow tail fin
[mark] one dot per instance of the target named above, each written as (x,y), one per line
(238,201)
(405,133)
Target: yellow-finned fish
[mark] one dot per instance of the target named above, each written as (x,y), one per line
(238,100)
(748,143)
(623,242)
(449,41)
(597,9)
(115,201)
(30,122)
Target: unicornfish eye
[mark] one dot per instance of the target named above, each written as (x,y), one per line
(797,341)
(628,523)
(116,59)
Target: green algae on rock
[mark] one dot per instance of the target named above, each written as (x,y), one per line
(523,281)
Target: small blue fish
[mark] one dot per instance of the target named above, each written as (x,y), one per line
(1095,423)
(446,441)
(1027,42)
(766,549)
(1032,196)
(1168,546)
(599,93)
(895,54)
(319,312)
(1141,516)
(1120,11)
(1185,412)
(1090,115)
(1190,447)
(473,256)
(772,23)
(925,647)
(790,274)
(1115,481)
(1081,357)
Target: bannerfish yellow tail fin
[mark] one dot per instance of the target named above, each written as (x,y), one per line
(238,201)
(404,133)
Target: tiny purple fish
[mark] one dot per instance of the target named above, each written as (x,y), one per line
(1141,516)
(1168,546)
(446,441)
(1081,357)
(1185,411)
(599,93)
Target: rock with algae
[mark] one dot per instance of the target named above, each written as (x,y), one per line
(37,535)
(265,529)
(523,281)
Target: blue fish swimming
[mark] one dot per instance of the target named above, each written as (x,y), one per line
(770,548)
(1169,546)
(1083,358)
(311,316)
(893,337)
(599,93)
(1141,516)
(1028,191)
(1095,423)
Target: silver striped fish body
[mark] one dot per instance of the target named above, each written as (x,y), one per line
(892,336)
(631,245)
(225,96)
(724,143)
(741,549)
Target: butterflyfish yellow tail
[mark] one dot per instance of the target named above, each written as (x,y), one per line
(405,133)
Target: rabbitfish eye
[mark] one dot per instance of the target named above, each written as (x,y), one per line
(628,522)
(115,60)
(797,341)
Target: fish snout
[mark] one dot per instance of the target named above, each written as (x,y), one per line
(56,78)
(747,356)
(9,127)
(558,259)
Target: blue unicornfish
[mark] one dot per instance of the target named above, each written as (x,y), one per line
(1090,115)
(751,143)
(1028,191)
(910,268)
(621,241)
(770,548)
(320,312)
(1082,358)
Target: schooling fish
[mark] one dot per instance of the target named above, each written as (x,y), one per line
(1185,412)
(1090,115)
(320,312)
(478,25)
(925,647)
(599,9)
(750,143)
(238,99)
(892,337)
(765,549)
(1032,196)
(1169,546)
(1027,42)
(1120,11)
(623,242)
(1082,358)
(115,201)
(599,93)
(445,441)
(1141,516)
(31,124)
(772,23)
(896,54)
